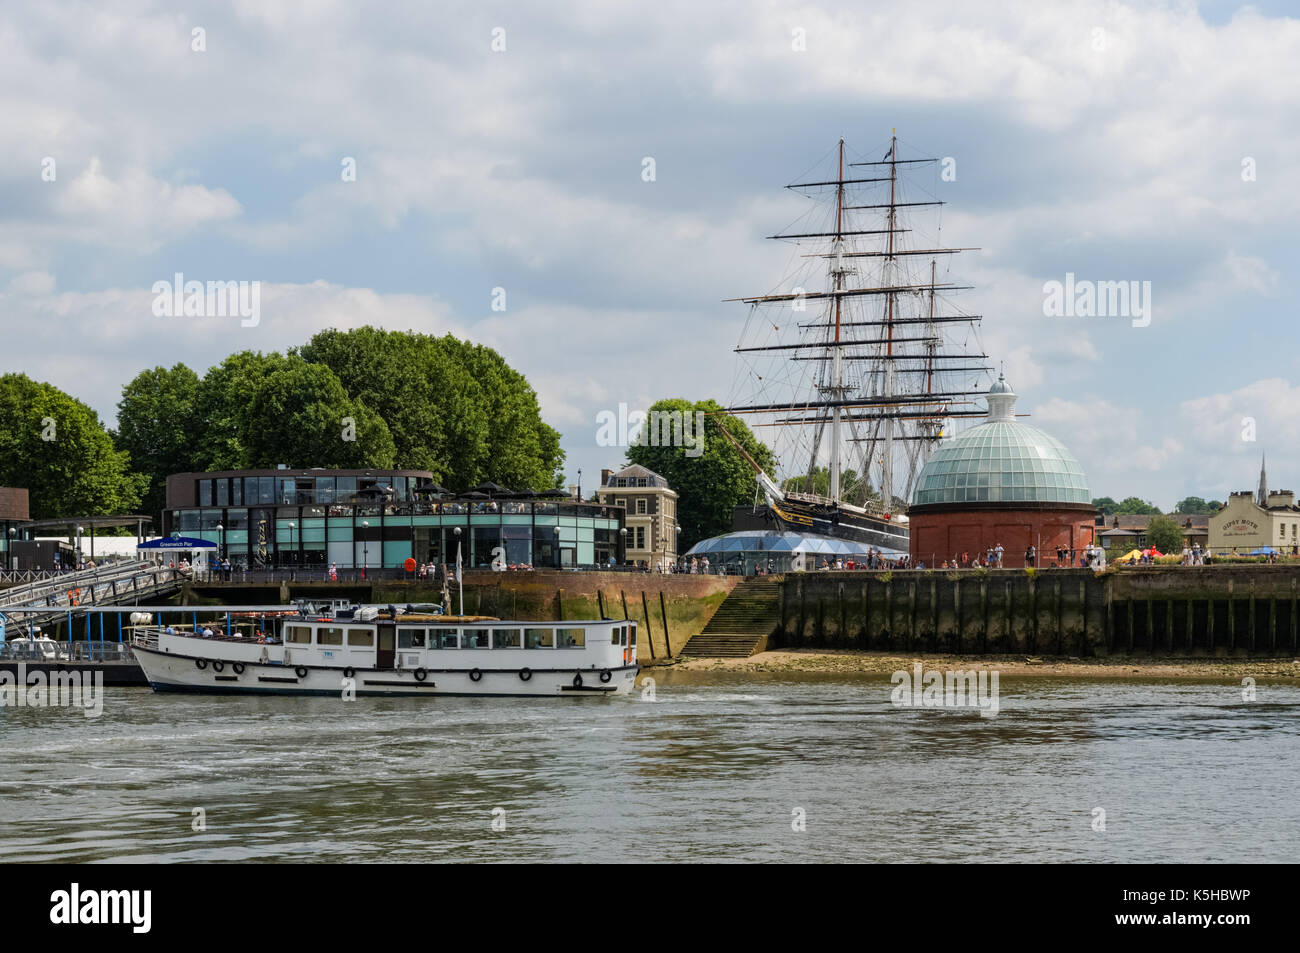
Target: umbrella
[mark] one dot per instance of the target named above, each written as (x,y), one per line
(1133,555)
(491,489)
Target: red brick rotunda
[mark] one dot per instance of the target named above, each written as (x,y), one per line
(1001,482)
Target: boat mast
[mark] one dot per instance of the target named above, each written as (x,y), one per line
(887,465)
(837,382)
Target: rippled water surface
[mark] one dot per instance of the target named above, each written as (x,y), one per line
(714,769)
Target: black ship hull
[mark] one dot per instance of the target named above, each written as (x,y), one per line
(860,528)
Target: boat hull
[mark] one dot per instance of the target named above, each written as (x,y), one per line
(872,531)
(171,672)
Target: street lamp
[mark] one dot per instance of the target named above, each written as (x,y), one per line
(556,530)
(79,531)
(622,536)
(579,484)
(292,550)
(221,536)
(365,548)
(460,583)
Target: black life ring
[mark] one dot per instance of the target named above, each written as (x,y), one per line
(475,675)
(349,672)
(200,663)
(606,675)
(301,671)
(238,668)
(421,674)
(525,674)
(218,665)
(577,680)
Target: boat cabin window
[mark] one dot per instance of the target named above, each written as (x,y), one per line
(632,631)
(475,639)
(539,638)
(410,638)
(329,636)
(614,635)
(571,638)
(505,638)
(361,638)
(298,634)
(443,639)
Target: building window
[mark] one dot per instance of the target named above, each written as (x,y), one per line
(640,538)
(642,507)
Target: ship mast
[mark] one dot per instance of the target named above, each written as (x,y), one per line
(880,362)
(837,376)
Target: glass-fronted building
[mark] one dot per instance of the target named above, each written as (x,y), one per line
(380,518)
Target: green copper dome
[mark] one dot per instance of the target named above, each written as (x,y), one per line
(1001,461)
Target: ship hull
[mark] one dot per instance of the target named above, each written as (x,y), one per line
(169,672)
(872,531)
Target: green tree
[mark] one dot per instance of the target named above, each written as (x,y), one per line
(1195,506)
(1133,506)
(300,414)
(1165,534)
(1105,505)
(453,408)
(56,447)
(157,426)
(224,397)
(709,486)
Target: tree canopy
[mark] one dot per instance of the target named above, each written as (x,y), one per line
(346,399)
(1195,506)
(1133,506)
(1165,534)
(452,407)
(711,485)
(56,447)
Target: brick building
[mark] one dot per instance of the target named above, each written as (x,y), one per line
(1000,483)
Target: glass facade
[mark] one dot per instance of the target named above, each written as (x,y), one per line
(381,521)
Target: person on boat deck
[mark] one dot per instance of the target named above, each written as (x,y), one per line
(207,632)
(170,630)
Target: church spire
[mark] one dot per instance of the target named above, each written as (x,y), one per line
(1262,493)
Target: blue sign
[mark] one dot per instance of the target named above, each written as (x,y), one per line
(177,542)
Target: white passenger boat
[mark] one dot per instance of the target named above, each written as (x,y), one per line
(373,650)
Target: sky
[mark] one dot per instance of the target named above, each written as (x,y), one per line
(1149,142)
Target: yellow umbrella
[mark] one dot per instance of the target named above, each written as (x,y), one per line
(1130,556)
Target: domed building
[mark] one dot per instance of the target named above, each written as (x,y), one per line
(1000,483)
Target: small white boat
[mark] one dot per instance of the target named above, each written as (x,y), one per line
(371,650)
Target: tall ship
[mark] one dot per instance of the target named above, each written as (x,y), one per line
(856,362)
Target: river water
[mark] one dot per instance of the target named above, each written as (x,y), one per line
(720,766)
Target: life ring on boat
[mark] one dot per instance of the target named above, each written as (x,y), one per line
(200,663)
(475,675)
(421,674)
(577,680)
(238,668)
(606,675)
(525,674)
(218,665)
(301,671)
(349,672)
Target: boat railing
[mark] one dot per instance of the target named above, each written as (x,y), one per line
(91,651)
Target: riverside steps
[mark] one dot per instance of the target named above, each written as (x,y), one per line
(1167,611)
(743,623)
